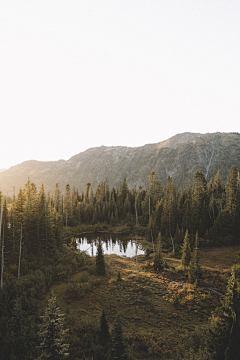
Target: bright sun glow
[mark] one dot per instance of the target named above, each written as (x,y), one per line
(80,74)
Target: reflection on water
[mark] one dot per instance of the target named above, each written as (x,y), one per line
(110,245)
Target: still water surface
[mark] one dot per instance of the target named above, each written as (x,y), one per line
(110,245)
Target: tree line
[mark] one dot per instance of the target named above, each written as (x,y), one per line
(33,223)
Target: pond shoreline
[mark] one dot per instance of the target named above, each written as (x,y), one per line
(111,243)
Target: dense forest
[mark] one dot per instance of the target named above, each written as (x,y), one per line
(37,232)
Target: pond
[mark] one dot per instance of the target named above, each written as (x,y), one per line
(110,245)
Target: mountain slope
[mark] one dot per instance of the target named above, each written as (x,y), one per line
(180,157)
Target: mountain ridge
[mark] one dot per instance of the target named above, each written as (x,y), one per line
(179,157)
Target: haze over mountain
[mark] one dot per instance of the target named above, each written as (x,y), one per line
(180,157)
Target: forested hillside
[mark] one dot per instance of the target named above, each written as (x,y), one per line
(38,250)
(179,157)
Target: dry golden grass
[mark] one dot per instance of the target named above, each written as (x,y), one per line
(158,310)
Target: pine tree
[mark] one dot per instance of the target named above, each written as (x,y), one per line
(216,196)
(104,335)
(231,190)
(155,190)
(169,209)
(194,267)
(52,334)
(199,204)
(186,251)
(42,218)
(18,337)
(100,263)
(158,264)
(118,348)
(30,219)
(57,198)
(124,190)
(67,206)
(220,336)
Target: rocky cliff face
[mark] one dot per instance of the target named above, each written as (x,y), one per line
(180,157)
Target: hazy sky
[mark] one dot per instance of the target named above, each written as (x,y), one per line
(77,74)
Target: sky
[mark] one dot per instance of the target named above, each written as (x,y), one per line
(77,74)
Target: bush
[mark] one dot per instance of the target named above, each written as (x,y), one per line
(119,276)
(125,230)
(74,292)
(95,282)
(148,251)
(84,276)
(176,300)
(98,227)
(92,269)
(236,258)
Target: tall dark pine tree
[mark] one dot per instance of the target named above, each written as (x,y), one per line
(194,267)
(52,334)
(220,336)
(217,196)
(158,264)
(104,335)
(231,190)
(42,219)
(30,219)
(18,337)
(118,348)
(200,214)
(67,206)
(186,251)
(100,263)
(57,198)
(155,190)
(169,209)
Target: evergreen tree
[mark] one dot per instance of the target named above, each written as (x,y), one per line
(118,348)
(231,190)
(155,190)
(199,204)
(42,218)
(52,334)
(30,219)
(194,267)
(100,263)
(124,190)
(216,195)
(158,264)
(220,336)
(199,355)
(186,251)
(67,206)
(104,335)
(13,231)
(57,198)
(19,207)
(169,210)
(18,337)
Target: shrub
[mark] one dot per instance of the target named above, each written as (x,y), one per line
(176,300)
(74,292)
(84,276)
(92,269)
(236,259)
(148,251)
(119,276)
(95,282)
